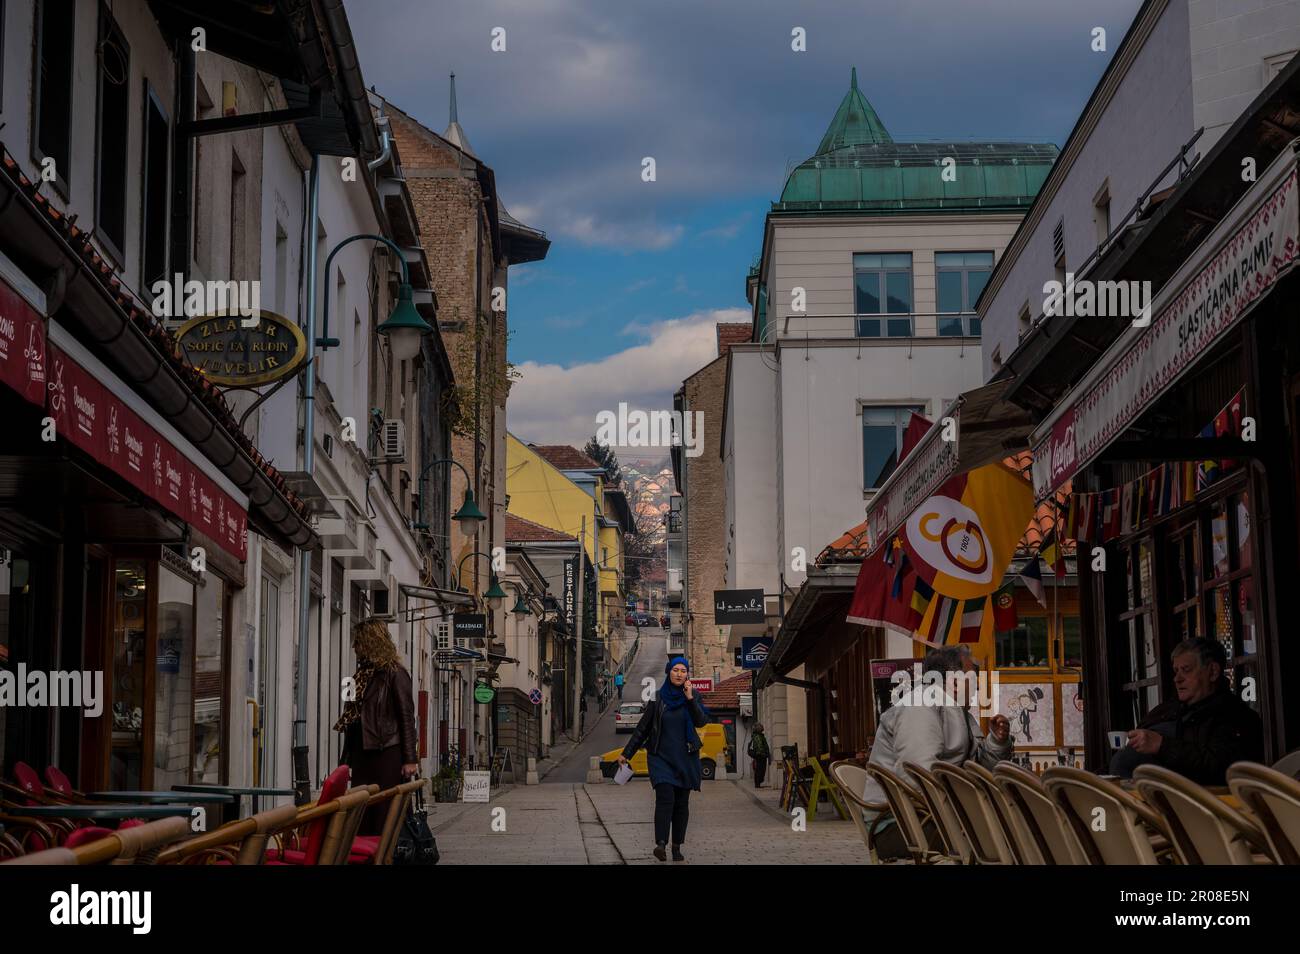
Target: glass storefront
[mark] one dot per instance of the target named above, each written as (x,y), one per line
(129,641)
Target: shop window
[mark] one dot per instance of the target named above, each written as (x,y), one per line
(1071,643)
(114,60)
(209,676)
(130,641)
(174,689)
(1142,683)
(52,86)
(1227,590)
(1025,646)
(18,633)
(269,630)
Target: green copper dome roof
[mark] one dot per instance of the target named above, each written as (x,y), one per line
(858,167)
(855,122)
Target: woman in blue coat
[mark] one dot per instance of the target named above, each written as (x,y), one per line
(667,730)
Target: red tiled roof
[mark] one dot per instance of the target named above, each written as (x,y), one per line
(564,457)
(730,333)
(519,530)
(726,694)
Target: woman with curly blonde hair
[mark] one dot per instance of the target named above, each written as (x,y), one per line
(378,723)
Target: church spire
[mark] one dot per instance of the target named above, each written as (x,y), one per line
(855,122)
(454,134)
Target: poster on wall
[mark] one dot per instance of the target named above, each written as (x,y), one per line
(1030,708)
(1071,715)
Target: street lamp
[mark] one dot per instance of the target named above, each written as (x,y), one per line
(493,595)
(404,327)
(469,516)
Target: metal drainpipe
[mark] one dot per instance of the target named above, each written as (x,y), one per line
(302,780)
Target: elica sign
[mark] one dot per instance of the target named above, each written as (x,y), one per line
(230,354)
(738,606)
(754,650)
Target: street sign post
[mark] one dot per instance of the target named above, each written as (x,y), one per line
(535,696)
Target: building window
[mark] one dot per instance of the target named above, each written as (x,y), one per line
(155,176)
(52,109)
(114,123)
(882,285)
(959,277)
(1141,686)
(882,441)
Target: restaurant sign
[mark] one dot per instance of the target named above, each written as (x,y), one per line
(738,606)
(236,356)
(1137,370)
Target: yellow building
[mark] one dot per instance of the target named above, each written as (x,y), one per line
(556,485)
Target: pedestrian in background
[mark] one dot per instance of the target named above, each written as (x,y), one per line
(618,684)
(760,752)
(667,730)
(582,713)
(378,722)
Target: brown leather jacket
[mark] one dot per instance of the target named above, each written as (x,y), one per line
(388,714)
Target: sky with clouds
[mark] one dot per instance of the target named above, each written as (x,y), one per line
(623,307)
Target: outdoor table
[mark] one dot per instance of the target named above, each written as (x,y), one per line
(235,792)
(100,812)
(161,797)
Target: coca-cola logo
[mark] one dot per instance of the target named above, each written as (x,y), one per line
(1063,451)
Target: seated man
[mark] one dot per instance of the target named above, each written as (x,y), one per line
(1204,730)
(915,729)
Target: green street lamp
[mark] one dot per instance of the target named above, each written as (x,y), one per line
(468,517)
(494,595)
(404,327)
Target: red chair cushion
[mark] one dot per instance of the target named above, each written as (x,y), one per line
(335,785)
(290,856)
(130,823)
(83,836)
(28,780)
(363,849)
(56,780)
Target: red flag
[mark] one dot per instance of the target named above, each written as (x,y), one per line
(917,427)
(1005,617)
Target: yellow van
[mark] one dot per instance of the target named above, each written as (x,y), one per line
(712,754)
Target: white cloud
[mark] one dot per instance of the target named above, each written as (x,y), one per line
(552,404)
(618,236)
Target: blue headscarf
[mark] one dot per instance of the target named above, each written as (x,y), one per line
(673,697)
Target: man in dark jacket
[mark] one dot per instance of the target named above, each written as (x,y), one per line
(1204,730)
(760,752)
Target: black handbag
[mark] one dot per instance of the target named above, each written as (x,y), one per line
(415,842)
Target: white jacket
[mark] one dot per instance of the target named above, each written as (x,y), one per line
(911,731)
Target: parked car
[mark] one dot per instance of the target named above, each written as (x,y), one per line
(627,716)
(712,754)
(643,619)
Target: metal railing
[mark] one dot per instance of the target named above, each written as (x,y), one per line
(856,325)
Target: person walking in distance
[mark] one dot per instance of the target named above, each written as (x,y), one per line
(618,684)
(582,714)
(378,722)
(667,731)
(760,752)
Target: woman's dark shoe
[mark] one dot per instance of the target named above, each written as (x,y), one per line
(677,853)
(659,851)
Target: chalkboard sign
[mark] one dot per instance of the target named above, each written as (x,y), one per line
(738,606)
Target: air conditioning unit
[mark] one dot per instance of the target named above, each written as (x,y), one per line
(392,441)
(383,599)
(442,639)
(674,581)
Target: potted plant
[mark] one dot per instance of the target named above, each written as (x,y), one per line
(446,784)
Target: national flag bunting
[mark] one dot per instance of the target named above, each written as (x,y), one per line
(972,619)
(1052,553)
(1033,577)
(1005,617)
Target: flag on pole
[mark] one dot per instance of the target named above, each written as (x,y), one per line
(1005,617)
(1052,553)
(972,618)
(1033,577)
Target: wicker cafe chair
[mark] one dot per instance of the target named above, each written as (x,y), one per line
(944,814)
(139,845)
(31,834)
(1289,764)
(979,820)
(851,779)
(10,847)
(1009,818)
(1204,830)
(910,814)
(1053,839)
(1275,801)
(378,849)
(320,833)
(241,842)
(1123,835)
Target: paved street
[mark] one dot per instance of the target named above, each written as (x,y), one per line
(612,824)
(649,661)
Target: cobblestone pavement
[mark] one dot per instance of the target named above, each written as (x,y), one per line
(611,824)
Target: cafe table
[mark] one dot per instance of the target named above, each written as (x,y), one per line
(236,792)
(100,812)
